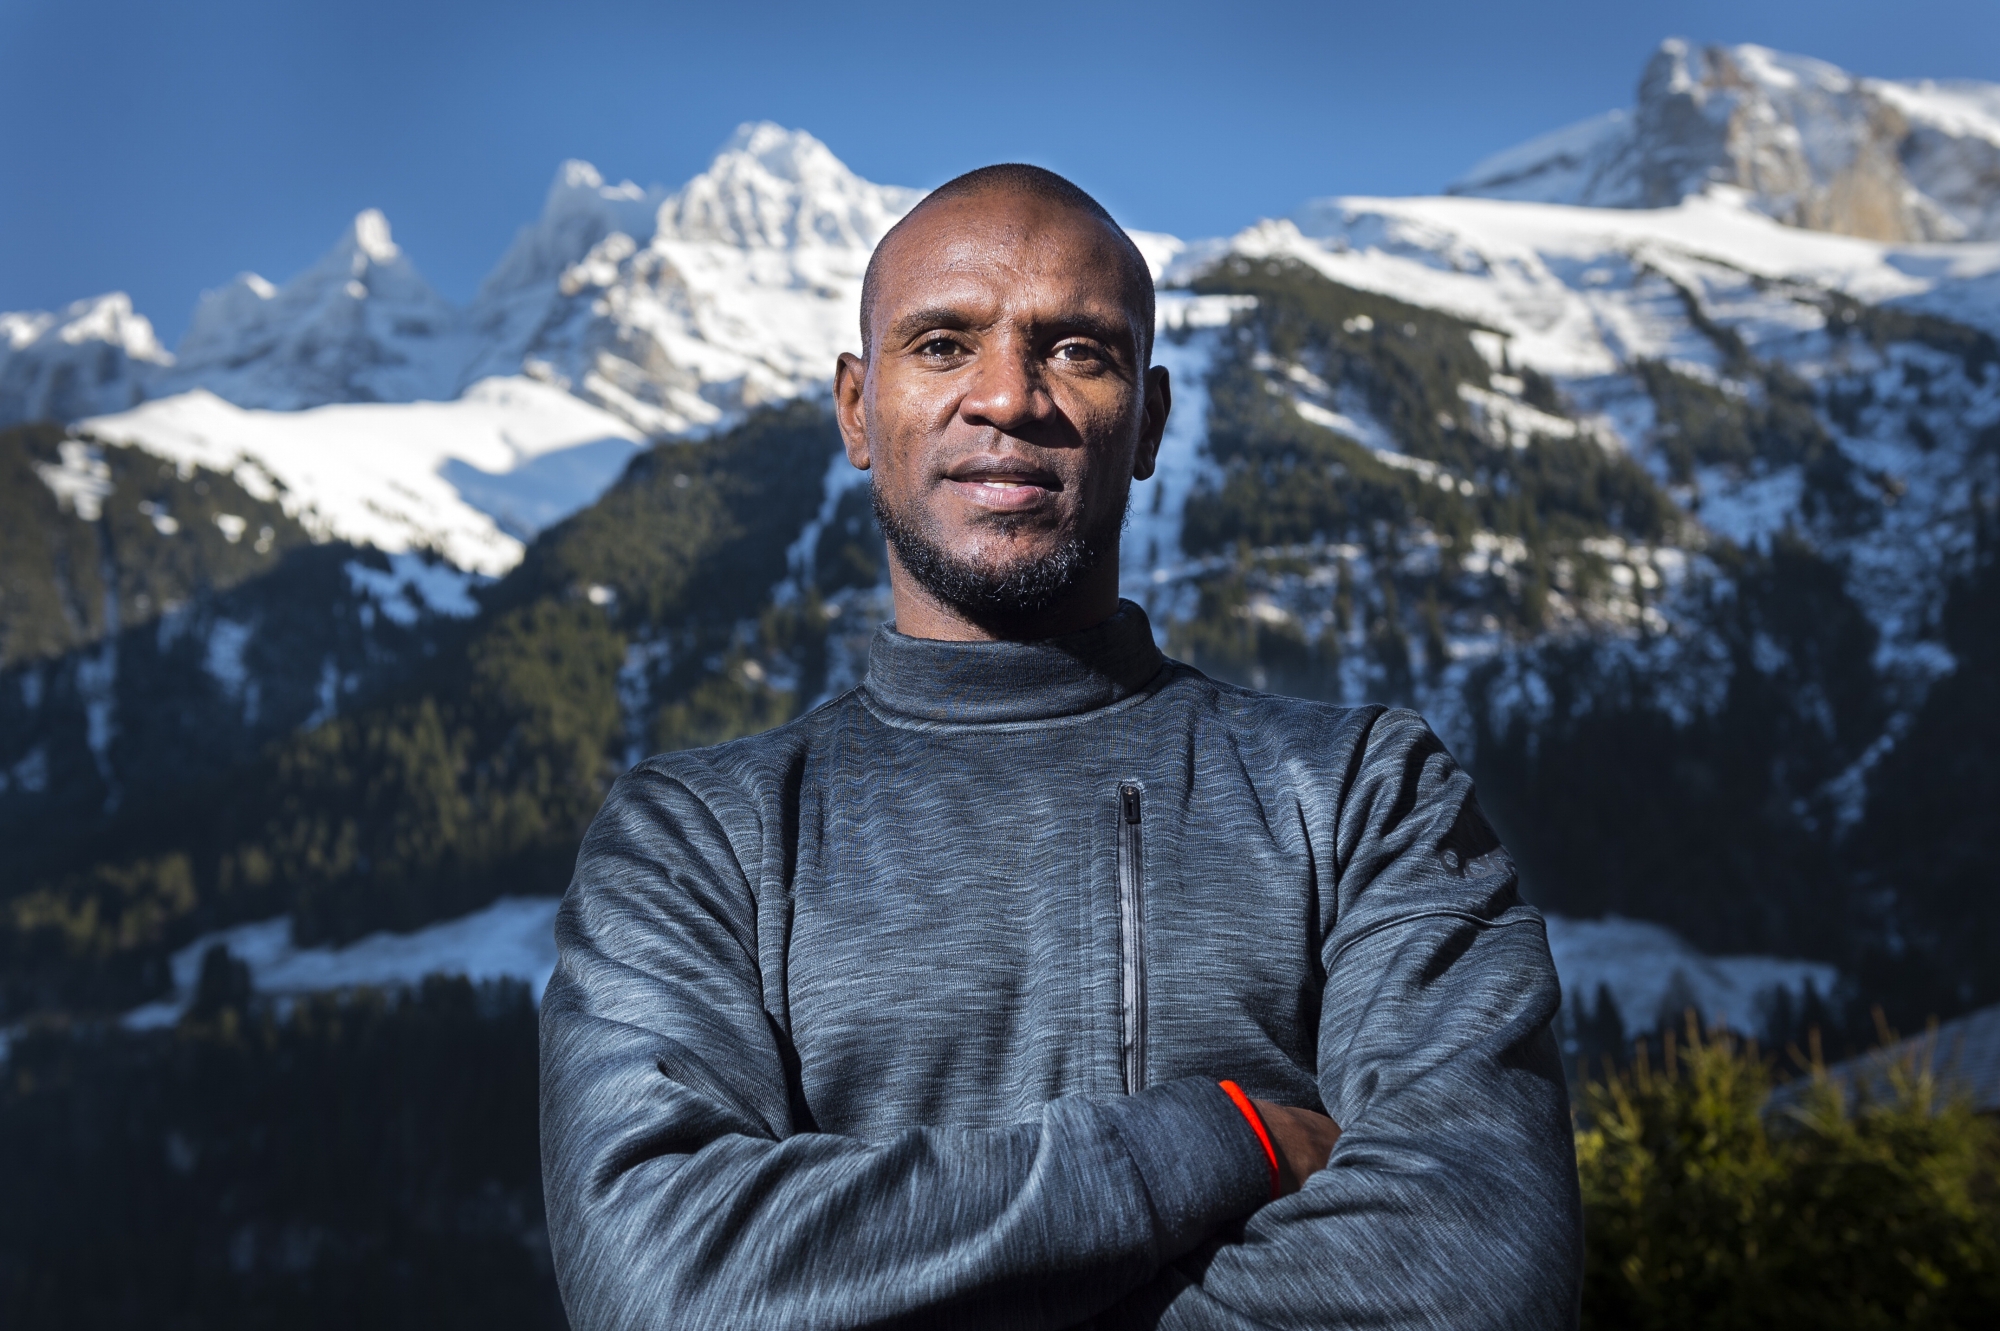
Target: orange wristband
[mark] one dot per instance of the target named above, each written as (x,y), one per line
(1242,1102)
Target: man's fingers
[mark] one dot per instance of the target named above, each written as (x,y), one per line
(1302,1139)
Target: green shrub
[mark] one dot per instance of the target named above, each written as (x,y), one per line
(1706,1206)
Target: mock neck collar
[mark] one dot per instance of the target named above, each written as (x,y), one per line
(984,682)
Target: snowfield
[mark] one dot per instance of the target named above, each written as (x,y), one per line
(469,479)
(1579,291)
(512,939)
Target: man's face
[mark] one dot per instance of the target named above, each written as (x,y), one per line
(1004,408)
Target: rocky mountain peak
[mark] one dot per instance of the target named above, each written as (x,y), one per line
(679,311)
(1805,142)
(359,325)
(774,188)
(90,356)
(579,212)
(369,240)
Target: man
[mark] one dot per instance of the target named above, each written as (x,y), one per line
(1025,984)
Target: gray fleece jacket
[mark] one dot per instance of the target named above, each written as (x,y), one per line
(911,1013)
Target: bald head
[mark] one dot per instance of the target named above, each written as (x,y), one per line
(1014,181)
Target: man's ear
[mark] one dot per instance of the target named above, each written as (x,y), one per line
(1159,401)
(850,378)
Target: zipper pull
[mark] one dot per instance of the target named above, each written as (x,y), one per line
(1129,795)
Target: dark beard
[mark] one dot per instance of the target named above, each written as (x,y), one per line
(1004,595)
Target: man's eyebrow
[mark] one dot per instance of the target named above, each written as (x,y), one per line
(922,321)
(1114,331)
(1105,329)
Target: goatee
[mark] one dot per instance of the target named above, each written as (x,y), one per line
(1010,592)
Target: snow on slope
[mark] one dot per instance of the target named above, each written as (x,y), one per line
(469,479)
(1652,972)
(512,939)
(1576,290)
(1188,329)
(1808,143)
(1952,152)
(1583,293)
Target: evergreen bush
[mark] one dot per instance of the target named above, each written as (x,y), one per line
(1709,1205)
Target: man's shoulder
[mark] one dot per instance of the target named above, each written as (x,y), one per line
(1283,717)
(1340,744)
(748,761)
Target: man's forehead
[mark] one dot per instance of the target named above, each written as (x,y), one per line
(963,281)
(1003,249)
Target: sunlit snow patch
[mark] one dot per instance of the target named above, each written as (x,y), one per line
(413,584)
(1189,329)
(512,939)
(81,481)
(469,478)
(1576,291)
(1651,970)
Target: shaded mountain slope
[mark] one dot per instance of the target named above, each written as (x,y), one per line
(464,772)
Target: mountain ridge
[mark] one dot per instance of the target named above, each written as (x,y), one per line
(1806,142)
(652,304)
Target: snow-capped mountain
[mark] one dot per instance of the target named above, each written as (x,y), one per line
(677,312)
(389,417)
(673,312)
(1586,295)
(360,325)
(92,356)
(658,313)
(1808,144)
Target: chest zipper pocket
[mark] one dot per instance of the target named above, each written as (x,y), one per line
(1131,937)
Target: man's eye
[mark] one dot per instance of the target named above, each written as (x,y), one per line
(1078,351)
(939,346)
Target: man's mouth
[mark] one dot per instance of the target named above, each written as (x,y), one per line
(1009,485)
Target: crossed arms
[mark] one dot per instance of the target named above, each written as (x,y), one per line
(684,1188)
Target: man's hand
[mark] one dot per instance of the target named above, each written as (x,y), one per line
(1302,1139)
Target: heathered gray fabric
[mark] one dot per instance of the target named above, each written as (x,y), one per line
(834,1039)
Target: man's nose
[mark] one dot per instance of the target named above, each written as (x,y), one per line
(1008,391)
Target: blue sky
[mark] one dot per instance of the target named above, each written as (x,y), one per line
(161,148)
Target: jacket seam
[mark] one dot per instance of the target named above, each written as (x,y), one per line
(1441,914)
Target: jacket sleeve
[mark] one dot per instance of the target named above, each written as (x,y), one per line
(1451,1198)
(685,1188)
